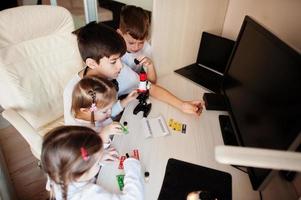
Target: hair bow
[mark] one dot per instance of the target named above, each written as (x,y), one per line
(84,153)
(93,107)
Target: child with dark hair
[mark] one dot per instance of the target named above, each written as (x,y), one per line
(71,157)
(101,49)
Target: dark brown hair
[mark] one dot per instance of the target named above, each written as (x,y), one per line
(134,21)
(61,154)
(92,89)
(96,40)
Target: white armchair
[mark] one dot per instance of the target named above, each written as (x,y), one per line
(38,55)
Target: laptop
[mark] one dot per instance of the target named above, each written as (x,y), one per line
(213,55)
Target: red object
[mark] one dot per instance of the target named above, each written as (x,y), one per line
(143,76)
(84,153)
(121,160)
(143,81)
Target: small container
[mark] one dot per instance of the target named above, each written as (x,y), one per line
(146,176)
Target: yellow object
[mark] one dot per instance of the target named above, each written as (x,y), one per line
(175,125)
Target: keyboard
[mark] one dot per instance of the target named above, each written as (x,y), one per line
(202,76)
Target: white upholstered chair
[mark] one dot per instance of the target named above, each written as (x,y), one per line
(38,55)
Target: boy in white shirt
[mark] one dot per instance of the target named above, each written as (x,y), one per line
(134,28)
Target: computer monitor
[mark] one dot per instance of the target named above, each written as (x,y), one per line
(262,86)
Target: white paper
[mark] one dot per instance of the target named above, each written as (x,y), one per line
(155,127)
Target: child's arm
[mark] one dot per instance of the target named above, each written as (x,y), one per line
(189,107)
(133,181)
(130,97)
(133,184)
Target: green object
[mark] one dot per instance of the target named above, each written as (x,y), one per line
(120,178)
(125,129)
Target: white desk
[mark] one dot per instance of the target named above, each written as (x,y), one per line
(196,146)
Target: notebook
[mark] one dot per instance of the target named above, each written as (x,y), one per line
(213,55)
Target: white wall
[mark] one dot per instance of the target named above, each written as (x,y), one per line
(282,17)
(176,30)
(145,4)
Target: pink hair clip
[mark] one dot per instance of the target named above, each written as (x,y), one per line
(84,153)
(93,107)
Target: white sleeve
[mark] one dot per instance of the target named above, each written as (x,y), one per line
(133,182)
(133,185)
(116,109)
(128,80)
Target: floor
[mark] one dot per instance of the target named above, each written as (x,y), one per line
(28,179)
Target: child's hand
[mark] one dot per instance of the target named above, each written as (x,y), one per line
(192,107)
(145,61)
(110,154)
(148,63)
(130,97)
(112,129)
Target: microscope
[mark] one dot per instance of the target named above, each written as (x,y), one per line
(144,103)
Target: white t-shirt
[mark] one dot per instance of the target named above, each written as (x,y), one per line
(127,80)
(128,58)
(133,186)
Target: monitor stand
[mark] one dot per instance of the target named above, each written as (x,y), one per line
(215,101)
(229,136)
(227,130)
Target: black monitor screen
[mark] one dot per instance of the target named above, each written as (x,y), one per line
(263,90)
(214,51)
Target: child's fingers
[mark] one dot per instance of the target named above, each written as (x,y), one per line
(113,152)
(146,62)
(197,106)
(111,149)
(117,129)
(133,93)
(143,60)
(108,157)
(190,108)
(199,110)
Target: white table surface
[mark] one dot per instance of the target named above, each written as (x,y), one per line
(196,146)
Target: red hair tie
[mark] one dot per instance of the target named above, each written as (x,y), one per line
(84,153)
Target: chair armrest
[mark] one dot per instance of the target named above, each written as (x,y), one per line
(257,157)
(26,130)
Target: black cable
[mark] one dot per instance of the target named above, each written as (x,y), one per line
(260,195)
(240,169)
